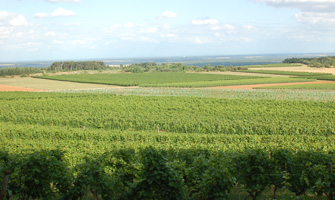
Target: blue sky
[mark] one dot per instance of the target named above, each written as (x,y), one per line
(88,29)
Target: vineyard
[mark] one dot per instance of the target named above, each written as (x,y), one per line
(144,79)
(173,79)
(220,146)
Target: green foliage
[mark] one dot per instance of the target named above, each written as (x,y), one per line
(173,114)
(185,144)
(217,180)
(23,71)
(41,174)
(253,171)
(327,62)
(76,66)
(250,81)
(55,67)
(176,67)
(159,178)
(91,175)
(160,175)
(325,176)
(300,177)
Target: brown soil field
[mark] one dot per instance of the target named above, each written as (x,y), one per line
(264,85)
(9,88)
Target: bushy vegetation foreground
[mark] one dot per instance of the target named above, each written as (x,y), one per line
(67,146)
(168,174)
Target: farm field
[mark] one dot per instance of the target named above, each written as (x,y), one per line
(44,84)
(86,124)
(195,130)
(145,79)
(302,68)
(172,79)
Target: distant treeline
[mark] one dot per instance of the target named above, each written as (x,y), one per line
(55,67)
(98,65)
(175,67)
(75,66)
(328,62)
(11,71)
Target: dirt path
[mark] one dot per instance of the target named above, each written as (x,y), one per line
(272,84)
(9,88)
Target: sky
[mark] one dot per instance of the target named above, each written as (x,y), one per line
(33,30)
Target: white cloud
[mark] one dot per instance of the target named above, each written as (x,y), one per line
(315,18)
(305,5)
(41,15)
(50,34)
(18,20)
(115,27)
(149,30)
(228,28)
(167,14)
(249,27)
(314,12)
(216,28)
(61,12)
(4,15)
(12,19)
(30,32)
(127,36)
(168,35)
(78,42)
(33,49)
(74,1)
(58,42)
(201,40)
(128,25)
(205,22)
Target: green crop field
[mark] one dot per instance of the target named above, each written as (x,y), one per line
(193,136)
(231,82)
(171,79)
(144,79)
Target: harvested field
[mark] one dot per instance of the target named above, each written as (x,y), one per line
(43,84)
(9,88)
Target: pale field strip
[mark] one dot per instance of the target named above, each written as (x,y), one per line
(44,84)
(247,74)
(303,68)
(249,87)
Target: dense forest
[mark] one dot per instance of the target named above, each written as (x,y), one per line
(328,62)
